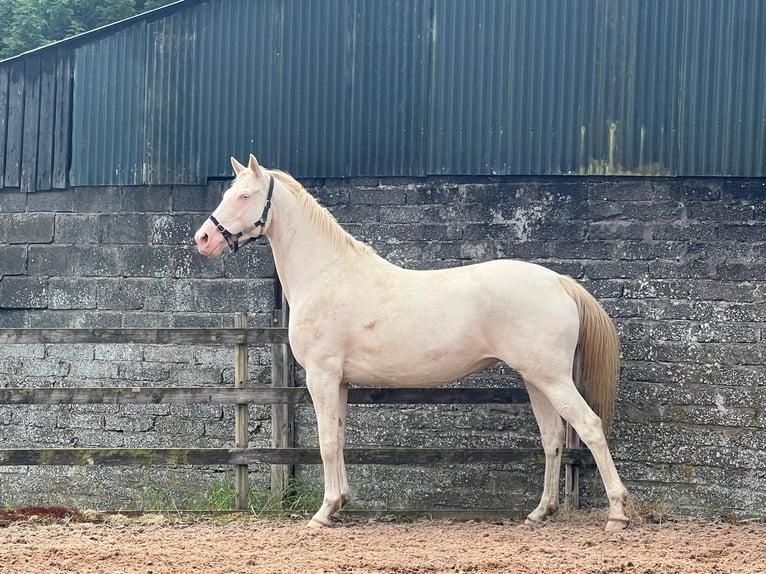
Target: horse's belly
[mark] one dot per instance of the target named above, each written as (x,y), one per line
(430,367)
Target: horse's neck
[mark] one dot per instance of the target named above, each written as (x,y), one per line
(303,245)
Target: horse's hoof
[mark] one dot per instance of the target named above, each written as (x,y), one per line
(616,524)
(533,523)
(315,523)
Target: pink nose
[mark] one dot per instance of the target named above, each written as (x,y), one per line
(201,238)
(209,241)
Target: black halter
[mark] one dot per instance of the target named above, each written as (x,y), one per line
(232,239)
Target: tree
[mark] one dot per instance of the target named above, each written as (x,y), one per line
(28,24)
(89,14)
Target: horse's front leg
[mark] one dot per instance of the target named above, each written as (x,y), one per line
(326,393)
(345,491)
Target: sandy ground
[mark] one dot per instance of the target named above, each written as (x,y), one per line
(158,544)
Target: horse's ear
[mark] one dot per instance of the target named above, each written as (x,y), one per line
(238,167)
(254,167)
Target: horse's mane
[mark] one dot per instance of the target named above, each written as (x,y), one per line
(318,216)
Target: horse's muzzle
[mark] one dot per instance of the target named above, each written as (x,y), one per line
(209,242)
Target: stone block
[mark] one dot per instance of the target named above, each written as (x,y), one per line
(440,194)
(20,292)
(25,228)
(98,261)
(66,260)
(330,196)
(70,352)
(147,261)
(143,320)
(377,196)
(52,260)
(123,228)
(144,199)
(12,201)
(74,228)
(72,293)
(413,214)
(97,199)
(13,259)
(174,229)
(363,214)
(199,199)
(121,352)
(145,373)
(256,261)
(102,370)
(125,294)
(59,201)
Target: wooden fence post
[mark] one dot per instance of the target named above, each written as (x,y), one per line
(282,415)
(241,417)
(572,473)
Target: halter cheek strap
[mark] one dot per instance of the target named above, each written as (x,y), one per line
(232,239)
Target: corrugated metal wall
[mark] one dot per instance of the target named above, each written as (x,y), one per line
(318,87)
(723,96)
(333,88)
(108,128)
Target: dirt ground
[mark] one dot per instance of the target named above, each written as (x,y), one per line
(155,544)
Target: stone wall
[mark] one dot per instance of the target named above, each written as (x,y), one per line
(678,263)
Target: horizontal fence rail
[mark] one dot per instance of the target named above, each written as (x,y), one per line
(280,395)
(256,395)
(187,336)
(213,456)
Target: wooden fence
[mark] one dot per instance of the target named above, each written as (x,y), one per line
(282,395)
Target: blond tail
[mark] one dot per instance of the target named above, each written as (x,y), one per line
(597,358)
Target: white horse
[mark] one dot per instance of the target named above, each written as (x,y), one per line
(357,318)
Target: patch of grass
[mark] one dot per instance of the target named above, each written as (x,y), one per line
(300,495)
(221,496)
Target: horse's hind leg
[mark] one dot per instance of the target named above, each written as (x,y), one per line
(552,435)
(326,393)
(568,402)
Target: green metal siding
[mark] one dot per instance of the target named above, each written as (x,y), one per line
(335,88)
(723,97)
(108,128)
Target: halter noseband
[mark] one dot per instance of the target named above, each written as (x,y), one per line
(232,239)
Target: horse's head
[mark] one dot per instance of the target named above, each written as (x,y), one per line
(242,215)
